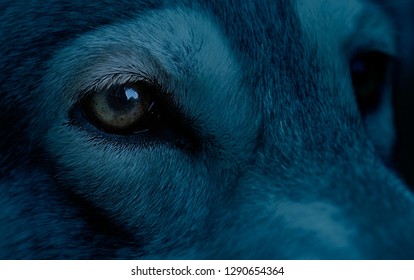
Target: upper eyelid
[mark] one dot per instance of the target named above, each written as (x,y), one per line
(375,32)
(100,66)
(103,75)
(118,79)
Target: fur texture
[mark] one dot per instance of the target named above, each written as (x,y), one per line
(270,155)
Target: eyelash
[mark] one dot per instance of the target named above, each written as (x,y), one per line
(117,79)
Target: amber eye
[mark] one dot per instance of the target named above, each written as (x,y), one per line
(121,109)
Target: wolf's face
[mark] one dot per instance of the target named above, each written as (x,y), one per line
(253,129)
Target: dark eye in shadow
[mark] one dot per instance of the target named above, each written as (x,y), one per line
(370,73)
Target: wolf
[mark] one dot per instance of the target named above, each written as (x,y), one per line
(153,129)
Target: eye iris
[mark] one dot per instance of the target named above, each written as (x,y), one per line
(119,109)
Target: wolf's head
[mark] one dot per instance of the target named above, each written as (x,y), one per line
(221,129)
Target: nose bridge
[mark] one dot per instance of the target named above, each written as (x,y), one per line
(349,207)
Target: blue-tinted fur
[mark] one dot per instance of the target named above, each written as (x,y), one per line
(280,162)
